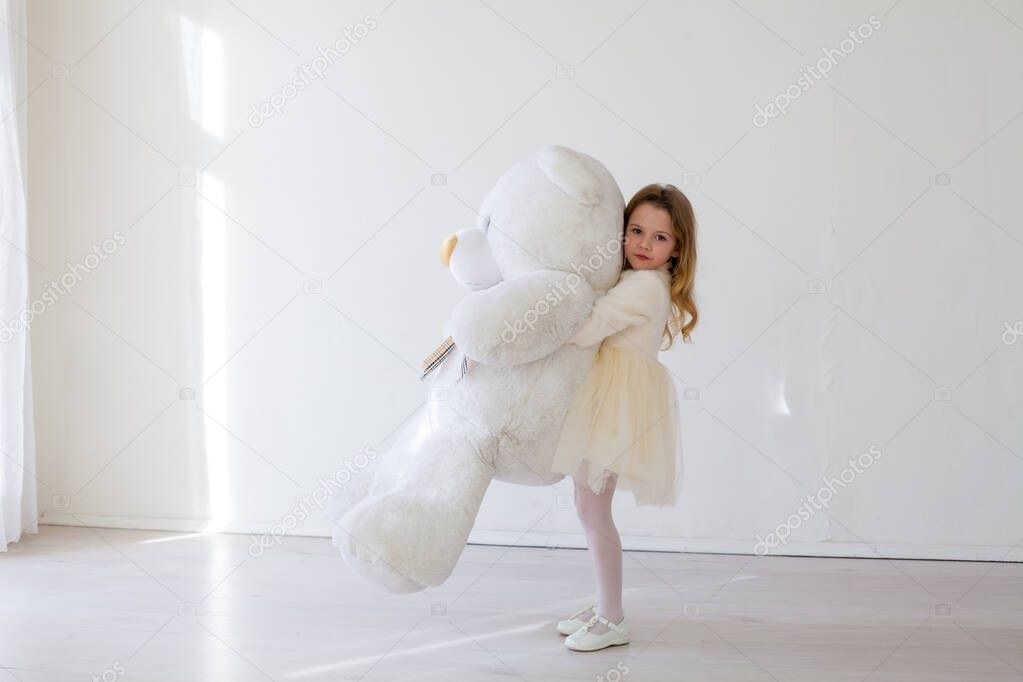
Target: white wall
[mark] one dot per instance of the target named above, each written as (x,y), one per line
(850,299)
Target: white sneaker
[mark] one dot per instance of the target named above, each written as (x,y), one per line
(567,627)
(585,640)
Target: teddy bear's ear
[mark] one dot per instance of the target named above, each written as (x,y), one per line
(568,171)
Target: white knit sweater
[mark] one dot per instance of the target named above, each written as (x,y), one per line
(632,313)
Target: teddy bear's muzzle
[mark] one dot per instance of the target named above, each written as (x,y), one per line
(467,255)
(447,248)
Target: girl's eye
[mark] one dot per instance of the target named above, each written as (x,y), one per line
(662,237)
(635,230)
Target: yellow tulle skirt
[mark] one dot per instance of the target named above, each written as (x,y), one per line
(623,424)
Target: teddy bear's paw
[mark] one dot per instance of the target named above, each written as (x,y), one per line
(404,540)
(364,562)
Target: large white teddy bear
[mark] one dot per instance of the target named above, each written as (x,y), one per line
(546,245)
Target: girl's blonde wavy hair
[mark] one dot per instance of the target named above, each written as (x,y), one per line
(683,266)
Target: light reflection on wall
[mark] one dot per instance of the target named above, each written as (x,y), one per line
(782,401)
(203,54)
(212,279)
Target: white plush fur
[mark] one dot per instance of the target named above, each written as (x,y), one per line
(547,243)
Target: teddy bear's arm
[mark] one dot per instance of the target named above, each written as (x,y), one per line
(521,319)
(633,301)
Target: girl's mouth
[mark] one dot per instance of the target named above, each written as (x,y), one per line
(642,257)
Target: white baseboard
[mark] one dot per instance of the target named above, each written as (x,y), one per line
(578,540)
(726,546)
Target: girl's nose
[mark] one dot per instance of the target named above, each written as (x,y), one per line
(447,248)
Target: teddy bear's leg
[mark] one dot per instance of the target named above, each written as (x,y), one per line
(410,537)
(370,472)
(340,502)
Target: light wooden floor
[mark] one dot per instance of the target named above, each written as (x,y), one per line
(77,603)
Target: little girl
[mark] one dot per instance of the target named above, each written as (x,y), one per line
(623,425)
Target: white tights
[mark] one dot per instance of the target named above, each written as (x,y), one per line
(605,547)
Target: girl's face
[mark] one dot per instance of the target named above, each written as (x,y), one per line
(649,239)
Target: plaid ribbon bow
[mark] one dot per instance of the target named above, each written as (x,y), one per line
(442,353)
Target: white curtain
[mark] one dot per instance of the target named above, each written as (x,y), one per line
(18,509)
